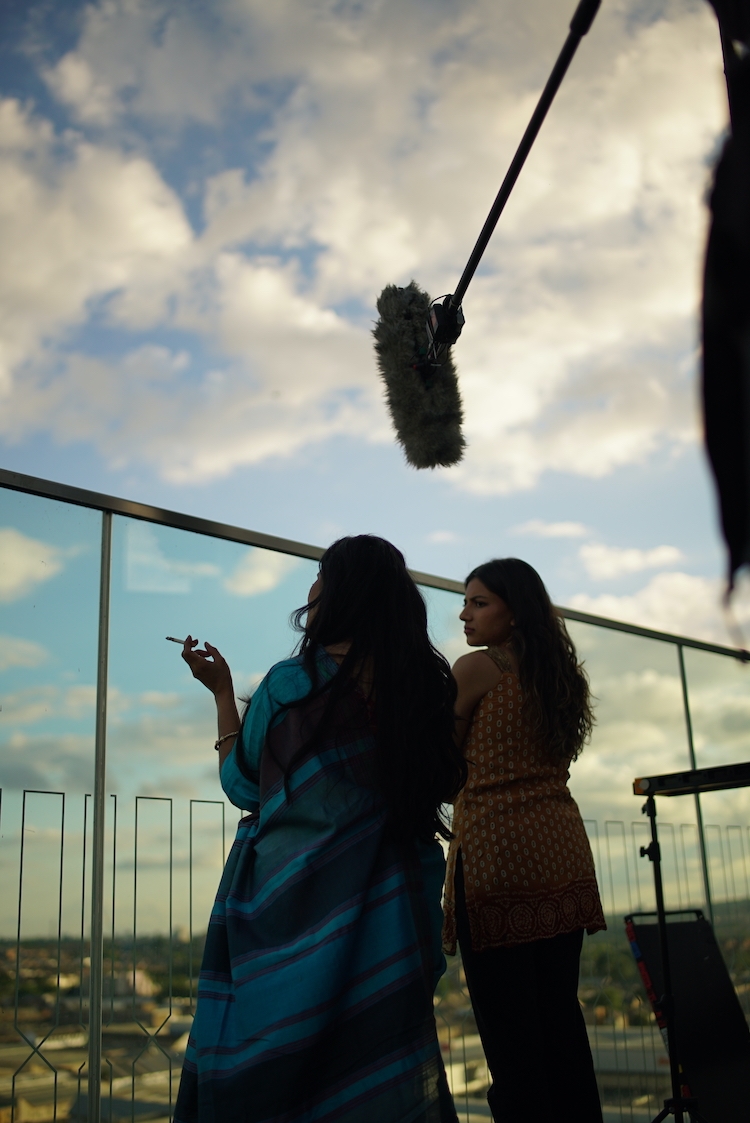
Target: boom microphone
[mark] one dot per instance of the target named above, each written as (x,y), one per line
(414,335)
(422,394)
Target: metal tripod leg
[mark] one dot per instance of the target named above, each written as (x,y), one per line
(679,1108)
(677,1105)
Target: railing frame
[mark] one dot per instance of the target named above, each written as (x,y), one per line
(17,481)
(108,506)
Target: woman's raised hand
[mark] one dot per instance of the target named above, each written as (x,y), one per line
(209,666)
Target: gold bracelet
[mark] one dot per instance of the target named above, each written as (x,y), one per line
(225,738)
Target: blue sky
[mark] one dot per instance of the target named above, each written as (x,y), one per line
(199,204)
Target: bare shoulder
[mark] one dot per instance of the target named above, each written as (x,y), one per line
(475,675)
(476,667)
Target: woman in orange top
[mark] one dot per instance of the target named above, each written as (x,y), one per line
(520,886)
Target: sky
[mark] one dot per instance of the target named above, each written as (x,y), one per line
(200,203)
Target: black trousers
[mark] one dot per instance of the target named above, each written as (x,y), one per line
(525,1001)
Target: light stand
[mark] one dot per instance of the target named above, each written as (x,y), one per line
(693,782)
(677,1105)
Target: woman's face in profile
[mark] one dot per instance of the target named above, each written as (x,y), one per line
(487,619)
(315,591)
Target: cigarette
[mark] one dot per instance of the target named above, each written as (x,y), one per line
(173,639)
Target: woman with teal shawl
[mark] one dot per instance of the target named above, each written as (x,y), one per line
(323,948)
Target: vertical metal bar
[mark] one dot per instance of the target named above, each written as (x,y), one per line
(669,827)
(93,1113)
(190,906)
(744,863)
(213,803)
(114,905)
(59,952)
(625,866)
(111,1016)
(610,875)
(171,939)
(135,896)
(728,839)
(722,859)
(634,829)
(696,797)
(666,1001)
(59,928)
(685,870)
(18,932)
(82,956)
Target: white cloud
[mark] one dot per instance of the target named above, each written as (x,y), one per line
(26,563)
(680,603)
(579,348)
(145,407)
(33,704)
(48,763)
(158,700)
(43,701)
(78,221)
(442,536)
(149,570)
(74,83)
(260,571)
(605,563)
(538,528)
(17,652)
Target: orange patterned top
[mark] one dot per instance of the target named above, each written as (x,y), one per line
(527,864)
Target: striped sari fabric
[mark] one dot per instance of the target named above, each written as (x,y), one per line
(323,947)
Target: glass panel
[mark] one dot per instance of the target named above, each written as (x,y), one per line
(167,844)
(719,698)
(446,630)
(49,608)
(169,826)
(719,694)
(465,1065)
(640,729)
(719,690)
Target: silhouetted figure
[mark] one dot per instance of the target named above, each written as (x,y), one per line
(726,296)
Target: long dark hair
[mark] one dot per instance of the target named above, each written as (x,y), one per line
(369,600)
(555,685)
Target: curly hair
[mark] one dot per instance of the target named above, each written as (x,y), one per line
(557,699)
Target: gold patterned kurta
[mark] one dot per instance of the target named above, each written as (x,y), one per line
(527,864)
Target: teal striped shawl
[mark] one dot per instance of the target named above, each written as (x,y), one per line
(323,948)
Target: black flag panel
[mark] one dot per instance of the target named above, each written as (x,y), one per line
(726,296)
(710,1031)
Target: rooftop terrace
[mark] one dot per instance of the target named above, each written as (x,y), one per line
(113,826)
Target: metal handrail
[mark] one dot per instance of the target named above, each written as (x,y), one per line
(17,481)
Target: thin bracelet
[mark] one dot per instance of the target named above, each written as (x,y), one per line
(225,738)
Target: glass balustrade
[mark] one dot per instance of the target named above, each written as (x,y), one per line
(660,703)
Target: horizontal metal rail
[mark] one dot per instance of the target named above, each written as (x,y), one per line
(17,481)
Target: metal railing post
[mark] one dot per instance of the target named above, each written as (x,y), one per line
(696,797)
(93,1113)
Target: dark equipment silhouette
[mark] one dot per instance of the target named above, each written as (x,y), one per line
(726,297)
(414,335)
